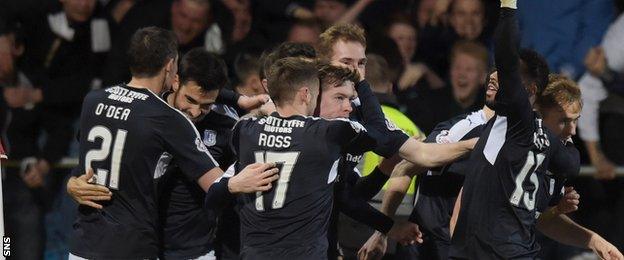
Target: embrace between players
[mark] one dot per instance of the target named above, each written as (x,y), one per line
(154,187)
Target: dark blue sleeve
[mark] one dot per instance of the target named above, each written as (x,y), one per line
(228,97)
(218,195)
(352,136)
(389,139)
(512,99)
(368,186)
(357,208)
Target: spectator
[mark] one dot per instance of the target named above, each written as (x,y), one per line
(467,20)
(599,127)
(330,11)
(55,61)
(402,31)
(468,72)
(190,20)
(247,70)
(304,31)
(573,27)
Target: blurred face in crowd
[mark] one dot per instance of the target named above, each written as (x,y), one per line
(304,34)
(405,37)
(9,52)
(189,19)
(351,54)
(193,101)
(467,76)
(562,120)
(78,10)
(336,101)
(467,18)
(329,11)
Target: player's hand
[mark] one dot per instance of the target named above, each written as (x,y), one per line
(604,249)
(249,103)
(267,108)
(86,193)
(255,177)
(374,248)
(569,202)
(406,233)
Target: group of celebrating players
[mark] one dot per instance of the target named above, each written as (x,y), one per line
(271,183)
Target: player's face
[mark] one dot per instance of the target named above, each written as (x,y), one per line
(562,120)
(467,75)
(492,88)
(188,19)
(405,37)
(336,101)
(193,101)
(351,54)
(78,10)
(467,18)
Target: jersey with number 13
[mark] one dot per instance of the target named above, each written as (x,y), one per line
(128,136)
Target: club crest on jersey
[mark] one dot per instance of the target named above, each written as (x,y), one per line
(443,137)
(200,145)
(210,137)
(391,126)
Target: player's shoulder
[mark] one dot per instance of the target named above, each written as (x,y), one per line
(340,123)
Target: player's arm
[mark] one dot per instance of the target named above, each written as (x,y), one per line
(368,186)
(359,209)
(193,158)
(428,155)
(512,99)
(242,102)
(564,230)
(456,209)
(388,140)
(398,185)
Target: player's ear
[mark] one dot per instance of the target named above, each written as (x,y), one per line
(176,83)
(532,89)
(265,85)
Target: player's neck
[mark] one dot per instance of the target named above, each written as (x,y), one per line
(288,110)
(154,84)
(489,113)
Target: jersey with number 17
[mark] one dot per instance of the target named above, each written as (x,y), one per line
(128,136)
(295,212)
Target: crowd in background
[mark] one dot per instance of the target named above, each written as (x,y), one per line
(438,54)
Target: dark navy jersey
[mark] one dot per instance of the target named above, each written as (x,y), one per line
(128,136)
(498,207)
(438,189)
(188,228)
(295,212)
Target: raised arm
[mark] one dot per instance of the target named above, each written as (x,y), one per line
(512,99)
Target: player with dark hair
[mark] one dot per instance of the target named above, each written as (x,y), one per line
(500,201)
(128,136)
